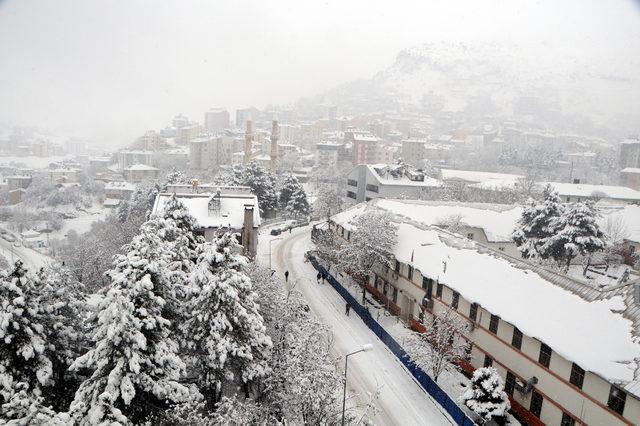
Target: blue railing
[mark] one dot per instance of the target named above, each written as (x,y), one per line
(421,377)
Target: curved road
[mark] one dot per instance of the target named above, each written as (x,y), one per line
(401,400)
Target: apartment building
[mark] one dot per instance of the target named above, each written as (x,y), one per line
(211,151)
(568,353)
(328,154)
(216,119)
(366,182)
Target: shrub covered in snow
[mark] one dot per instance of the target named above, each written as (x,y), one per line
(486,396)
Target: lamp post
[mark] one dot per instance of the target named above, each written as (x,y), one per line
(270,241)
(366,347)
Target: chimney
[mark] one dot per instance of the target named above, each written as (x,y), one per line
(248,142)
(247,231)
(275,136)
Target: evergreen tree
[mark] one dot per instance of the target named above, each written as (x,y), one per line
(263,186)
(534,226)
(288,186)
(25,367)
(486,396)
(226,337)
(298,204)
(575,232)
(134,363)
(176,176)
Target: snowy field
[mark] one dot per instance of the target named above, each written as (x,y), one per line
(401,400)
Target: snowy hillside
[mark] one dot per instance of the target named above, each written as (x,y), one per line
(504,78)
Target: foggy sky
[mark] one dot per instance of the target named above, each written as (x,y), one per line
(109,70)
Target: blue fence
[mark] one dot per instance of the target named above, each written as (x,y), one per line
(421,377)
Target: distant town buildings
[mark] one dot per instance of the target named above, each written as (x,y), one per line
(216,120)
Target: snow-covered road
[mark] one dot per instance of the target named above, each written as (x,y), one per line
(401,400)
(31,258)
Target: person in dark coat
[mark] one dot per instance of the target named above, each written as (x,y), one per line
(286,276)
(318,277)
(347,309)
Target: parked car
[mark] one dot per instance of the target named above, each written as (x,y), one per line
(276,231)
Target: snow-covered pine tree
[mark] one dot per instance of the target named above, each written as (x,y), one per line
(533,227)
(328,202)
(134,364)
(25,367)
(442,346)
(288,186)
(486,396)
(298,205)
(226,339)
(176,176)
(263,186)
(575,232)
(175,210)
(63,309)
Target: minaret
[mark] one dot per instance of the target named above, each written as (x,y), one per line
(275,135)
(248,142)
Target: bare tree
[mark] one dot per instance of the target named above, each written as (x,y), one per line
(442,346)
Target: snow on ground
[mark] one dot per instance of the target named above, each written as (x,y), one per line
(31,258)
(82,223)
(401,400)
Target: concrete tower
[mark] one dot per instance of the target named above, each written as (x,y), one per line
(275,135)
(248,142)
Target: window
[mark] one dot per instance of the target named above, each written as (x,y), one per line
(493,324)
(516,341)
(372,188)
(410,273)
(567,420)
(351,194)
(545,355)
(397,266)
(455,300)
(395,295)
(473,312)
(501,248)
(427,285)
(488,361)
(536,404)
(509,383)
(617,398)
(439,290)
(470,235)
(577,375)
(352,182)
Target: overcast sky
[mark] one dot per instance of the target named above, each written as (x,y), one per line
(110,70)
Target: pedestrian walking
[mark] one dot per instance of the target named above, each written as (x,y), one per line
(318,277)
(290,229)
(286,276)
(347,309)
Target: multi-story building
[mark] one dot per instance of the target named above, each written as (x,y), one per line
(568,353)
(329,154)
(187,133)
(140,173)
(129,158)
(631,177)
(216,120)
(366,148)
(366,182)
(211,151)
(246,114)
(630,153)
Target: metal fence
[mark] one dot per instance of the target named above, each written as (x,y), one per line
(421,377)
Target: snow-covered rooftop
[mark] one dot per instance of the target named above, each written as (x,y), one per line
(563,320)
(477,177)
(384,176)
(631,170)
(230,214)
(585,190)
(137,167)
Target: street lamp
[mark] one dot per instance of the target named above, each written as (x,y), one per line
(270,241)
(366,347)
